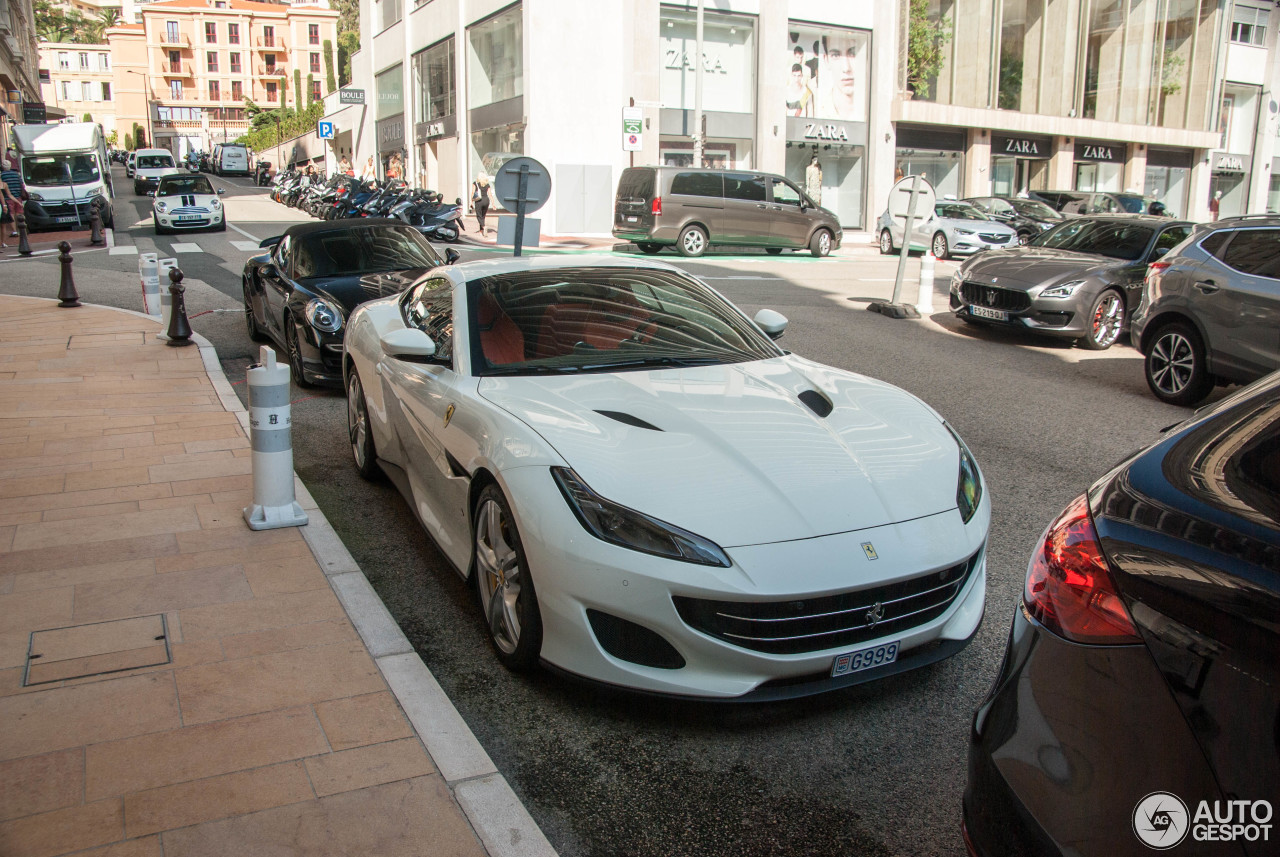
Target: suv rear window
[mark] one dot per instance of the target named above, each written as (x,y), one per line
(1255,251)
(636,183)
(698,184)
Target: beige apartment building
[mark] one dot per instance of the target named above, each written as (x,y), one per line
(194,62)
(79,79)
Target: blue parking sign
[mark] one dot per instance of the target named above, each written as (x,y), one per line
(326,130)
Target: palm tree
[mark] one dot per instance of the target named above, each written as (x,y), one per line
(95,29)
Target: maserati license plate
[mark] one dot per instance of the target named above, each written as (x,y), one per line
(865,659)
(983,312)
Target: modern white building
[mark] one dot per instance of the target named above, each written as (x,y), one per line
(1172,99)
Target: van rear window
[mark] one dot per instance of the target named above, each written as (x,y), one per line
(636,184)
(698,184)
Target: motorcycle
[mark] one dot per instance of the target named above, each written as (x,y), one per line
(262,175)
(431,216)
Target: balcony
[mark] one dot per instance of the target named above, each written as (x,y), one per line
(178,41)
(175,69)
(265,70)
(275,43)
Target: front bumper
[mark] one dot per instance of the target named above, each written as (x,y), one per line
(1068,741)
(1016,308)
(967,245)
(579,576)
(195,218)
(61,215)
(321,354)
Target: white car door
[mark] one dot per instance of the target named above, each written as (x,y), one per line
(421,402)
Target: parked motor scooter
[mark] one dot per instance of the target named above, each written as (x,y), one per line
(262,175)
(435,219)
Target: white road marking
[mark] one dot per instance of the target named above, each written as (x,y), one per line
(246,246)
(121,250)
(182,247)
(254,238)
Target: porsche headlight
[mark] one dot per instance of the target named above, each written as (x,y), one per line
(634,530)
(323,315)
(162,206)
(969,481)
(1064,290)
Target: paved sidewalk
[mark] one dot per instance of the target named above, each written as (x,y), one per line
(200,688)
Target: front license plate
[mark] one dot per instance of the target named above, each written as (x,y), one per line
(865,659)
(983,312)
(187,217)
(64,220)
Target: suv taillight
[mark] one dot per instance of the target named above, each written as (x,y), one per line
(656,207)
(1069,585)
(1154,272)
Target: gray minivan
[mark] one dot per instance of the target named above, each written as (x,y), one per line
(693,209)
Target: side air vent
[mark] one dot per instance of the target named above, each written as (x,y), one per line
(628,419)
(816,402)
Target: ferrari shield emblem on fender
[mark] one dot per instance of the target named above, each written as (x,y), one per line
(870,550)
(448,415)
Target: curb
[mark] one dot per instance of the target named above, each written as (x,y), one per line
(494,811)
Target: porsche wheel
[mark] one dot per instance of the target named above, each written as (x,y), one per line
(507,599)
(250,321)
(358,429)
(295,353)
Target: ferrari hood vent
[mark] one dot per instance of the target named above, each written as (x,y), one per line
(629,419)
(816,402)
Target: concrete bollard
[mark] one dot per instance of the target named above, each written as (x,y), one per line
(179,331)
(24,246)
(163,267)
(67,296)
(270,435)
(925,304)
(150,279)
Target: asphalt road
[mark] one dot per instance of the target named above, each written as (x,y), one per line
(876,769)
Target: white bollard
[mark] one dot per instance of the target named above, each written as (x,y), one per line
(925,302)
(270,435)
(163,266)
(147,272)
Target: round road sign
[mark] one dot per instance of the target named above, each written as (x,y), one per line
(537,188)
(900,198)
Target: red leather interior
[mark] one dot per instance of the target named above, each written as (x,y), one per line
(500,338)
(600,324)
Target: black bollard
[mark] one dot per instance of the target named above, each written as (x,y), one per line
(24,246)
(96,238)
(179,331)
(67,296)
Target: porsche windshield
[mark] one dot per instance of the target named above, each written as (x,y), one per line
(53,170)
(604,320)
(1117,239)
(362,250)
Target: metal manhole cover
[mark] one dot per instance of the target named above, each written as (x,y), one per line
(102,647)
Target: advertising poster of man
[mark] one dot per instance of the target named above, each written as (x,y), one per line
(827,75)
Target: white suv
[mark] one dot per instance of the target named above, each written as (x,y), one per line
(150,165)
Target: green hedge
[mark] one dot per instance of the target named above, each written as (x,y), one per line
(291,125)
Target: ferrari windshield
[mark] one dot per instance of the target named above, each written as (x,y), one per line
(361,250)
(604,320)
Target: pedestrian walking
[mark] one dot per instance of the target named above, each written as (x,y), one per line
(13,193)
(1214,205)
(480,199)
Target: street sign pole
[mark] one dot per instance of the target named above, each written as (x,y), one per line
(521,191)
(906,241)
(918,188)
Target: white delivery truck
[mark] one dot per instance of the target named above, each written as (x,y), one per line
(64,168)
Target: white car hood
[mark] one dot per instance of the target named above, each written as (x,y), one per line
(735,456)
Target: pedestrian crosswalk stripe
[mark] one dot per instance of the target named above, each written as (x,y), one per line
(122,250)
(180,247)
(247,246)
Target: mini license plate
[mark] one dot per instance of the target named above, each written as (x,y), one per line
(865,659)
(185,217)
(983,312)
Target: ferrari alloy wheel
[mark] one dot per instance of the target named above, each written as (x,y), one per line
(507,599)
(295,352)
(1175,366)
(358,430)
(251,323)
(1106,319)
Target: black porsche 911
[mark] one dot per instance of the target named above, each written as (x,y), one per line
(302,290)
(1138,706)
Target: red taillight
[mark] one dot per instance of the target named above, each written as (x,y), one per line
(1069,587)
(656,207)
(1155,271)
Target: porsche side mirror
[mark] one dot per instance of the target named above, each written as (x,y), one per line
(773,323)
(409,344)
(451,256)
(269,271)
(270,242)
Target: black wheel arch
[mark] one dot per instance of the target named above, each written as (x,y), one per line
(1170,316)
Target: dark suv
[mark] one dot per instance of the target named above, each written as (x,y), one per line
(1210,309)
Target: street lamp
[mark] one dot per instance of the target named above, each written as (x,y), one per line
(146,93)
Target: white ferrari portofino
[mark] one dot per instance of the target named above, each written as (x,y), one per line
(648,492)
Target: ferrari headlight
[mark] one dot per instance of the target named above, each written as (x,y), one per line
(323,315)
(969,482)
(1065,290)
(162,206)
(634,530)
